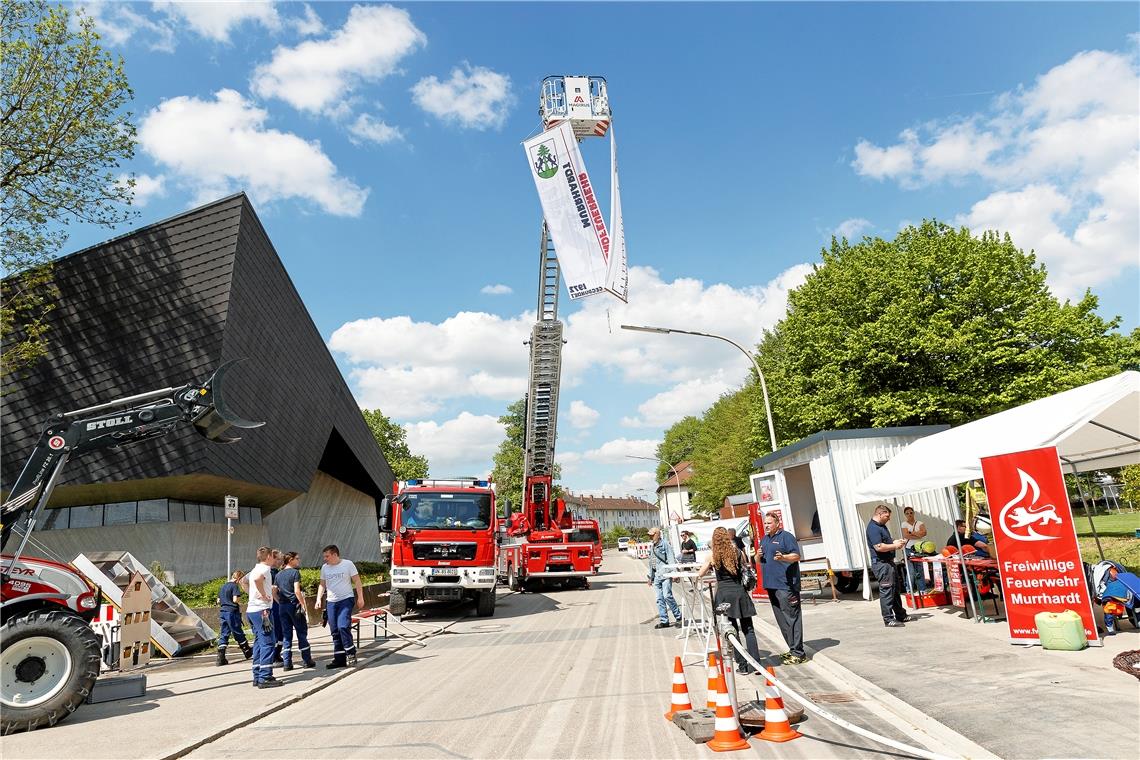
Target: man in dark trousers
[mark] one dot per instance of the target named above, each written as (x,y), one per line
(780,557)
(291,611)
(229,602)
(883,549)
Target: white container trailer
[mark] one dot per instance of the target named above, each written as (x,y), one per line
(812,484)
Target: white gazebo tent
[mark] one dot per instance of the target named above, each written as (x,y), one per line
(1093,427)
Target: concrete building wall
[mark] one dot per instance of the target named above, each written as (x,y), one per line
(329,513)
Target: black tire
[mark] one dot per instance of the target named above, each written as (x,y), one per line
(513,580)
(82,646)
(397,603)
(847,584)
(485,603)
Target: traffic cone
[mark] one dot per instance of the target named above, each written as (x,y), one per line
(714,675)
(776,725)
(679,699)
(726,728)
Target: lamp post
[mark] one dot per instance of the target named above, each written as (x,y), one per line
(676,477)
(743,350)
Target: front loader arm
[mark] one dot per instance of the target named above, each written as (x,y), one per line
(112,424)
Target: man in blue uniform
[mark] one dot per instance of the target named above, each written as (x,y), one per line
(780,555)
(291,611)
(229,600)
(883,549)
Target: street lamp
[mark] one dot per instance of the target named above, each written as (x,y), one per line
(743,350)
(676,478)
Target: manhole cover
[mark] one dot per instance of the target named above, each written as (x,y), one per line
(834,697)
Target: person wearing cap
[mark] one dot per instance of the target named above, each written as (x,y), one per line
(688,548)
(661,563)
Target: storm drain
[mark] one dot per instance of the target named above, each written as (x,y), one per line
(834,697)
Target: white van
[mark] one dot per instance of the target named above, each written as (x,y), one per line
(623,544)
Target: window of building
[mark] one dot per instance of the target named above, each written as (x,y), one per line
(176,511)
(55,519)
(120,513)
(87,517)
(153,510)
(246,515)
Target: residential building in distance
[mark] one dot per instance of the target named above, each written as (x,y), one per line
(673,496)
(610,511)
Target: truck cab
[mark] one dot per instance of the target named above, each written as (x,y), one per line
(444,542)
(587,530)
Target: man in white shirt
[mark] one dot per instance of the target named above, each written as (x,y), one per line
(257,612)
(338,580)
(914,531)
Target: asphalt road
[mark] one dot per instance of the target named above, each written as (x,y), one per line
(567,674)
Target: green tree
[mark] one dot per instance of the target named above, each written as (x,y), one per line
(677,446)
(728,442)
(935,326)
(393,440)
(1130,480)
(509,458)
(63,134)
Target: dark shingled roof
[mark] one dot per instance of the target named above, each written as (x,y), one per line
(163,306)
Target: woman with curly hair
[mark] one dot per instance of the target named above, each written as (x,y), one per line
(727,562)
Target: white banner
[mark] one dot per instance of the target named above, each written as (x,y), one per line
(571,209)
(617,276)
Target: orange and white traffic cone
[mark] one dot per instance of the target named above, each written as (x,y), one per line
(714,674)
(679,699)
(776,725)
(726,728)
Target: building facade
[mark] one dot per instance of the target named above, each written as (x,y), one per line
(673,495)
(612,511)
(164,306)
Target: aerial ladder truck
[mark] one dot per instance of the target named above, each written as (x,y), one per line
(536,550)
(49,656)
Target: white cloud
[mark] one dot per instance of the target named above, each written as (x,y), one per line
(1060,158)
(852,228)
(464,445)
(117,23)
(215,146)
(496,290)
(308,24)
(582,417)
(477,354)
(690,397)
(474,97)
(215,20)
(629,485)
(146,187)
(619,450)
(320,75)
(371,129)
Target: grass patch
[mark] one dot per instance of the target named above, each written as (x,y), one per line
(1117,535)
(1123,525)
(206,594)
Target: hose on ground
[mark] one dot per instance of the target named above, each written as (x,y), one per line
(809,705)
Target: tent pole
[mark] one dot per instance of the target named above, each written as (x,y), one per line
(1088,514)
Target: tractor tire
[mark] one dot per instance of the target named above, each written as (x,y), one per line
(485,603)
(48,663)
(397,603)
(847,584)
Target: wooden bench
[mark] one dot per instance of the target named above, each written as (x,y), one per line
(379,618)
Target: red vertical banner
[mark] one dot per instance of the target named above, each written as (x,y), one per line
(1038,557)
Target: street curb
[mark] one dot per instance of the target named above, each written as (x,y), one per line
(931,733)
(322,685)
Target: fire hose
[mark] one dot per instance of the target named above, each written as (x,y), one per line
(809,705)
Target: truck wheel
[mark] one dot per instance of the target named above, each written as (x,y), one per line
(397,603)
(48,664)
(485,603)
(847,584)
(512,579)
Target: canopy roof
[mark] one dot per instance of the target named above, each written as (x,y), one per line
(1093,427)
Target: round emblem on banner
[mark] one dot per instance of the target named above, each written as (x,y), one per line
(56,442)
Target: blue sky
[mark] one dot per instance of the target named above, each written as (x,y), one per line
(381,147)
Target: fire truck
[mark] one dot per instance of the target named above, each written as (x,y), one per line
(539,547)
(50,655)
(587,530)
(444,542)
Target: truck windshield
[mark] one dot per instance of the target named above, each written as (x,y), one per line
(471,511)
(583,536)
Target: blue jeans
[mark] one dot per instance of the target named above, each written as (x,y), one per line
(263,644)
(286,610)
(917,575)
(231,626)
(665,601)
(340,626)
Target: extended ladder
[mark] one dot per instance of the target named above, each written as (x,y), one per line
(546,365)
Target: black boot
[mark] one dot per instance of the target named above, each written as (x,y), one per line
(246,650)
(277,660)
(221,657)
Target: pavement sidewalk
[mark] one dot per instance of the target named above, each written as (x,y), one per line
(1017,702)
(188,702)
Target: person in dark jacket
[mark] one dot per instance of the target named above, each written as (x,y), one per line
(731,599)
(229,602)
(688,548)
(291,611)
